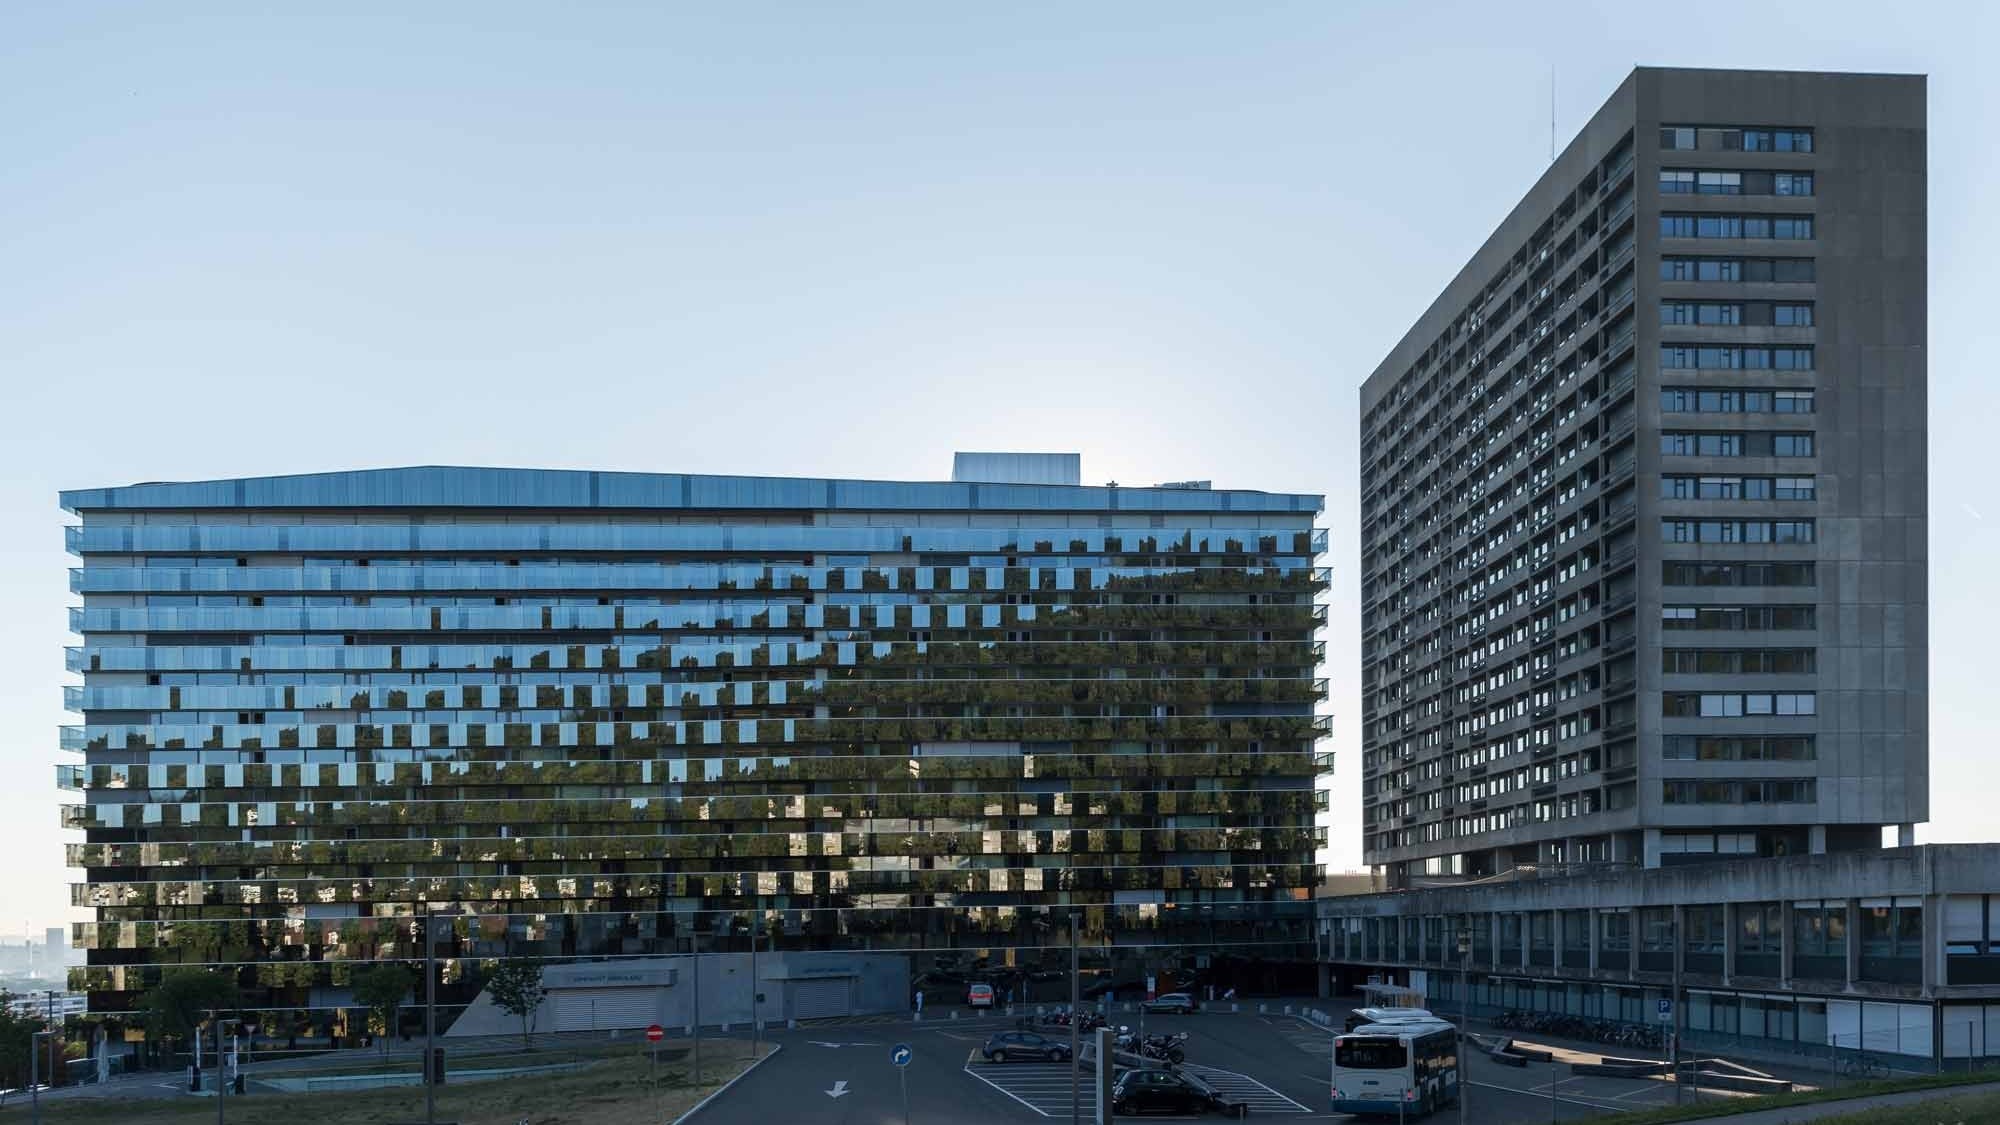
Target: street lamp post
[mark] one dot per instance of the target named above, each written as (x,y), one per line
(1075,1030)
(35,1070)
(430,1015)
(1464,1014)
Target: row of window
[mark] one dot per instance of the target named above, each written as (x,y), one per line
(1738,618)
(1787,271)
(1737,574)
(1736,704)
(1783,227)
(1749,443)
(1738,748)
(1737,531)
(1724,357)
(1737,488)
(1696,400)
(1732,139)
(1738,661)
(1730,314)
(1693,181)
(1784,791)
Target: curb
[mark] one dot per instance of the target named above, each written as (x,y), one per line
(724,1088)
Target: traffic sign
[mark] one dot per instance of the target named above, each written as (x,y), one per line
(1666,1010)
(655,1033)
(900,1054)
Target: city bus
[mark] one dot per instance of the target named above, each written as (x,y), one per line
(1396,1069)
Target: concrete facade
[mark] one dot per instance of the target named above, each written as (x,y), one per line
(1828,951)
(1644,497)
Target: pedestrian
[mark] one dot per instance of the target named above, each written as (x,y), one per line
(920,1001)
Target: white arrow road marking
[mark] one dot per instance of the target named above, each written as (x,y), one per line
(839,1088)
(836,1046)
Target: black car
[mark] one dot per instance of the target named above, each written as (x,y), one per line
(1024,1046)
(1170,1091)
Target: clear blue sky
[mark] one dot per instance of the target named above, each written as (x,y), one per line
(242,239)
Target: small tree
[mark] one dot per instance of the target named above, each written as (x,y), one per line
(516,987)
(16,1035)
(381,990)
(176,1006)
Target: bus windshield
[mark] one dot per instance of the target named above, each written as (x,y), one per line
(1369,1054)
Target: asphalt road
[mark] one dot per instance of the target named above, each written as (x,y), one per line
(842,1075)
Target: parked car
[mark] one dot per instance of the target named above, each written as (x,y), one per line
(1169,1091)
(1177,1003)
(979,995)
(1024,1046)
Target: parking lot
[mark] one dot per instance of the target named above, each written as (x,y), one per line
(840,1073)
(1045,1087)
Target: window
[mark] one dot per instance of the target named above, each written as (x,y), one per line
(1676,181)
(1736,531)
(1677,137)
(1737,574)
(1736,705)
(1738,618)
(1781,791)
(1792,183)
(1794,488)
(1737,661)
(1706,312)
(1692,400)
(1820,928)
(1717,357)
(1792,270)
(1719,183)
(1792,316)
(1701,488)
(1745,748)
(1768,140)
(1791,445)
(1786,227)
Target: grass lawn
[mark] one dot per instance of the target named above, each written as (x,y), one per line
(1962,1109)
(615,1091)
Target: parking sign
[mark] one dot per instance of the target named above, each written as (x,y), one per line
(1666,1008)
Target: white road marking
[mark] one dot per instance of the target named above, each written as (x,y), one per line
(1241,1087)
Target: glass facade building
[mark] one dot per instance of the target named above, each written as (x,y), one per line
(592,715)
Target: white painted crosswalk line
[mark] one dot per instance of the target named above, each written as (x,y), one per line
(1243,1088)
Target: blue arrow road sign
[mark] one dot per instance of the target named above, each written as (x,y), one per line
(900,1054)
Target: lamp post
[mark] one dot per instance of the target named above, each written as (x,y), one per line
(430,1015)
(1075,1029)
(35,1070)
(221,1065)
(1464,1013)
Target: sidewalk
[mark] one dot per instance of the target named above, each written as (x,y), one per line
(1785,1115)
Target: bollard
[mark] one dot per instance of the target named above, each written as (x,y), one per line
(791,1025)
(1260,1009)
(1236,1007)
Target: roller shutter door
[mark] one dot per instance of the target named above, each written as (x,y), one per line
(818,999)
(605,1009)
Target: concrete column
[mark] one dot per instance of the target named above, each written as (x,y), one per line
(1853,942)
(1816,839)
(1652,848)
(1592,922)
(1785,943)
(1934,959)
(1906,835)
(1728,941)
(1493,938)
(1680,945)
